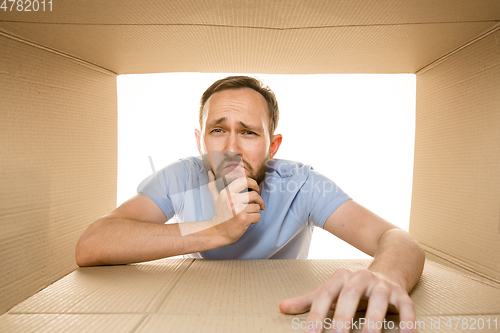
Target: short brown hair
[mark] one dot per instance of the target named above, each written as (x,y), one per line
(238,82)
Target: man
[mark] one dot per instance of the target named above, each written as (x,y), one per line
(236,202)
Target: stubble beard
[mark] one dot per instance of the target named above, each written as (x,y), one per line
(258,174)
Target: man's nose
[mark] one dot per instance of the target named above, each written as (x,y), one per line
(232,143)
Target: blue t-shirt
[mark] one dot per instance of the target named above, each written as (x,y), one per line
(296,198)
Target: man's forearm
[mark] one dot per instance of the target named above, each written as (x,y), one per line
(399,257)
(111,241)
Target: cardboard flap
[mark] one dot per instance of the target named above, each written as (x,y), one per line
(356,36)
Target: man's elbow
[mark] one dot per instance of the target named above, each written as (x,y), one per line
(85,250)
(421,251)
(82,255)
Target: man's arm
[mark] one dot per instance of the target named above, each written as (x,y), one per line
(396,268)
(135,232)
(396,254)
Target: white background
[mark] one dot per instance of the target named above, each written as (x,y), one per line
(358,130)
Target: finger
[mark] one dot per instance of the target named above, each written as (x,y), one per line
(406,309)
(377,307)
(247,198)
(253,212)
(239,184)
(256,198)
(325,296)
(252,184)
(252,208)
(254,217)
(349,297)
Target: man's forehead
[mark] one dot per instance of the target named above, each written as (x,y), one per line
(244,105)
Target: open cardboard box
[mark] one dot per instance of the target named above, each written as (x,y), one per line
(58,157)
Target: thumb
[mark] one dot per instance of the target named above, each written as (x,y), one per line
(298,304)
(211,184)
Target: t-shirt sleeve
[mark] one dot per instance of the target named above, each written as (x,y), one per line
(163,185)
(324,196)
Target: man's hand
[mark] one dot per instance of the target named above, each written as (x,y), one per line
(346,292)
(235,211)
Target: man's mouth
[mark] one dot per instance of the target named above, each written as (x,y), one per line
(233,165)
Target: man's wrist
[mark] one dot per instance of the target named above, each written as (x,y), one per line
(218,237)
(399,281)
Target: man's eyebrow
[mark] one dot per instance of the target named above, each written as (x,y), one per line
(250,127)
(217,122)
(242,124)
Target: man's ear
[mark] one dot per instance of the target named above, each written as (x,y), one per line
(197,134)
(275,144)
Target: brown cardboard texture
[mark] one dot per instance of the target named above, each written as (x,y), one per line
(188,295)
(58,119)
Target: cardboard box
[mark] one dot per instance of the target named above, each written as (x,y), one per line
(58,119)
(193,295)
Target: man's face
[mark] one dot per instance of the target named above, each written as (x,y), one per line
(235,134)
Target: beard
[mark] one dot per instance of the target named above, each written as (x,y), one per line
(223,176)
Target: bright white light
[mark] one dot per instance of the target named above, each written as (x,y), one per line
(358,130)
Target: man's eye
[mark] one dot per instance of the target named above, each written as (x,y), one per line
(216,130)
(250,133)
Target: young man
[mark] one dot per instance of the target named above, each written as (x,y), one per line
(236,201)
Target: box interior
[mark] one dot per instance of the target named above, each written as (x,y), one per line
(59,111)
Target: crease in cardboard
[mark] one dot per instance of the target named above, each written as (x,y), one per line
(160,298)
(82,62)
(140,324)
(251,26)
(462,264)
(449,54)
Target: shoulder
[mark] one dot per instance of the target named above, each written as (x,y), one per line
(191,164)
(183,173)
(187,165)
(286,169)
